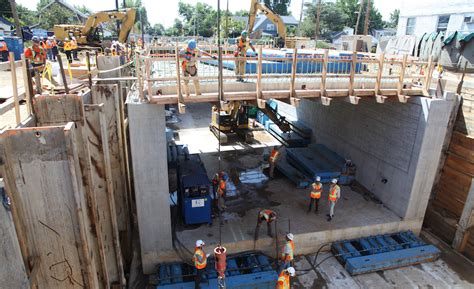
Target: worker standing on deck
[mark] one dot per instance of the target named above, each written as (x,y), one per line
(316,189)
(67,49)
(188,66)
(268,216)
(272,159)
(333,197)
(3,49)
(288,252)
(243,43)
(200,262)
(284,278)
(36,55)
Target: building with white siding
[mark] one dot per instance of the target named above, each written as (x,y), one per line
(426,16)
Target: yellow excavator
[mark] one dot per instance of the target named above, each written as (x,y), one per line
(89,34)
(231,119)
(256,7)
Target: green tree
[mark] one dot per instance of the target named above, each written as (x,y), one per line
(280,7)
(244,13)
(83,9)
(394,18)
(350,7)
(234,27)
(156,29)
(176,29)
(27,16)
(54,14)
(200,19)
(141,16)
(6,10)
(332,19)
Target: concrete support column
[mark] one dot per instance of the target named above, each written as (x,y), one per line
(466,221)
(150,167)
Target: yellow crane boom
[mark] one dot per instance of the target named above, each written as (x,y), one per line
(256,7)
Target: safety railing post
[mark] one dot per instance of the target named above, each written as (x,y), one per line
(138,68)
(378,83)
(181,106)
(293,100)
(401,97)
(428,75)
(15,88)
(324,69)
(260,101)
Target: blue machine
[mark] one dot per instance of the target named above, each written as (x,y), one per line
(383,252)
(251,270)
(194,191)
(15,45)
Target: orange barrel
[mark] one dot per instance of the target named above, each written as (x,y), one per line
(220,256)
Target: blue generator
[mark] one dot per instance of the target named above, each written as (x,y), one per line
(194,191)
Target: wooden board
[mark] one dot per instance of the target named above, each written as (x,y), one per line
(460,165)
(50,212)
(58,109)
(443,227)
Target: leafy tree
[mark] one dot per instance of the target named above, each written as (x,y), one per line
(394,18)
(280,7)
(54,14)
(234,27)
(156,29)
(176,29)
(6,10)
(200,19)
(350,7)
(83,9)
(332,19)
(27,16)
(242,13)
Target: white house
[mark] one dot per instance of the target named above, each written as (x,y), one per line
(426,16)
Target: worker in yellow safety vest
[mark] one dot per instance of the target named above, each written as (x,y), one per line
(316,190)
(284,278)
(74,48)
(243,44)
(221,190)
(67,46)
(268,216)
(287,255)
(190,55)
(333,197)
(3,49)
(200,262)
(272,159)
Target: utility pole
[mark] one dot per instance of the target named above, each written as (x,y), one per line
(318,16)
(19,33)
(367,19)
(301,18)
(358,16)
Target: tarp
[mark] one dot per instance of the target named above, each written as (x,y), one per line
(437,46)
(458,52)
(427,46)
(399,45)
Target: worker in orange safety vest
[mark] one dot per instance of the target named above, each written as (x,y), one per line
(74,48)
(221,190)
(47,46)
(268,216)
(284,278)
(36,55)
(333,197)
(287,255)
(272,159)
(316,190)
(200,262)
(243,44)
(3,49)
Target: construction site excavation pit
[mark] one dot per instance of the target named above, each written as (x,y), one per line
(391,144)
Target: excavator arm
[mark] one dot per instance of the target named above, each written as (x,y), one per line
(127,18)
(256,7)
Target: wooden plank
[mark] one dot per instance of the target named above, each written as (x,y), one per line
(324,73)
(456,176)
(260,101)
(352,74)
(444,227)
(58,109)
(63,74)
(460,165)
(181,106)
(462,140)
(402,97)
(108,94)
(428,75)
(96,134)
(294,63)
(6,65)
(45,195)
(449,204)
(462,152)
(26,84)
(15,88)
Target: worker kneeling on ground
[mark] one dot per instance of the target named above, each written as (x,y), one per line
(36,55)
(316,189)
(274,155)
(287,255)
(268,216)
(190,55)
(284,278)
(243,43)
(200,262)
(333,197)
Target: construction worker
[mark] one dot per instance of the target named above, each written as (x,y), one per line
(333,197)
(268,216)
(200,262)
(67,46)
(74,48)
(284,278)
(3,49)
(54,48)
(243,43)
(316,189)
(188,65)
(36,55)
(288,252)
(48,47)
(221,190)
(272,159)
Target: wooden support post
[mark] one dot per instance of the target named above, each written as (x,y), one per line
(401,97)
(181,105)
(88,63)
(63,75)
(466,221)
(260,102)
(147,75)
(15,88)
(352,74)
(138,69)
(324,68)
(26,83)
(378,82)
(293,100)
(428,75)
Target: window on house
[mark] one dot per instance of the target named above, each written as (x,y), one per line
(443,23)
(270,27)
(411,26)
(467,19)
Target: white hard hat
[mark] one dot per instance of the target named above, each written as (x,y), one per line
(290,236)
(291,271)
(200,243)
(334,181)
(318,179)
(1,38)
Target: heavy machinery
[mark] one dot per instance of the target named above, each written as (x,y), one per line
(231,119)
(255,7)
(90,34)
